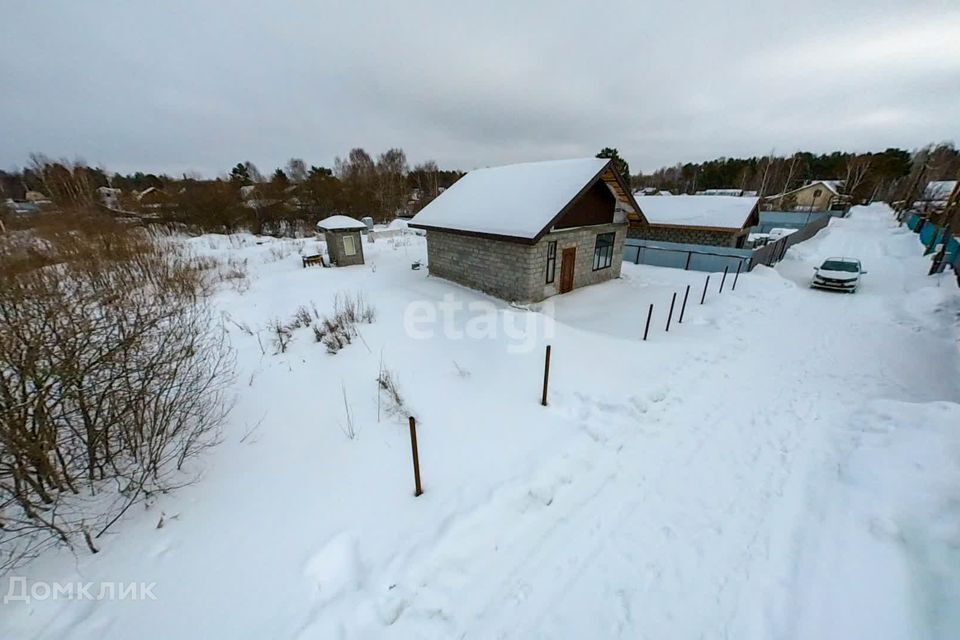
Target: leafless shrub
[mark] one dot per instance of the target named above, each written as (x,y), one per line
(387,382)
(112,377)
(353,309)
(303,317)
(319,332)
(338,331)
(281,335)
(234,272)
(463,373)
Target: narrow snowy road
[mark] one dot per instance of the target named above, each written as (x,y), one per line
(678,517)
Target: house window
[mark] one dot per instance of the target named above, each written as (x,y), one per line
(349,246)
(603,252)
(551,260)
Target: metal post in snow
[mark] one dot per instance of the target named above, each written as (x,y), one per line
(416,457)
(683,307)
(546,376)
(646,329)
(736,277)
(686,267)
(725,269)
(705,285)
(673,301)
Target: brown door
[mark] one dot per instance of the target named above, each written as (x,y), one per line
(566,269)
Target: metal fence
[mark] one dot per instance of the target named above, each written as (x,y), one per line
(696,257)
(689,257)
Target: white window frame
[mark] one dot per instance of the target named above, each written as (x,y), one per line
(349,249)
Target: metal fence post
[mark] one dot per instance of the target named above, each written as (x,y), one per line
(705,285)
(546,376)
(683,307)
(686,267)
(646,329)
(673,301)
(725,269)
(737,276)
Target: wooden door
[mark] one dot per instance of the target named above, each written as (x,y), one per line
(566,269)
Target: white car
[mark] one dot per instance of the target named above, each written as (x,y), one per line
(839,274)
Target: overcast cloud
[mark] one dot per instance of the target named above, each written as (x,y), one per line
(176,86)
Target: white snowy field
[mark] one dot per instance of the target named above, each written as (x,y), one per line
(784,464)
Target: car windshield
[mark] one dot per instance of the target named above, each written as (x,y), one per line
(840,265)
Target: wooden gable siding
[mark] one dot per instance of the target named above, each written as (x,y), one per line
(595,206)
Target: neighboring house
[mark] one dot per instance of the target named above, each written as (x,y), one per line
(153,198)
(110,197)
(36,197)
(721,221)
(816,195)
(935,196)
(528,231)
(342,235)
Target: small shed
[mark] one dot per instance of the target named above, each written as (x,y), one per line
(342,234)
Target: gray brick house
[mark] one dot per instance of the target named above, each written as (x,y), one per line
(720,221)
(525,232)
(344,242)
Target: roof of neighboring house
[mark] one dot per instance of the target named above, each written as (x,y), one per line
(150,191)
(520,201)
(723,192)
(340,223)
(712,212)
(834,186)
(939,189)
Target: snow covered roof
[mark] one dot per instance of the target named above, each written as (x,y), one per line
(723,192)
(834,186)
(518,201)
(340,223)
(720,212)
(939,189)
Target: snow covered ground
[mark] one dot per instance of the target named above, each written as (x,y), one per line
(784,464)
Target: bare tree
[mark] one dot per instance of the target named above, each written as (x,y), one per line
(296,170)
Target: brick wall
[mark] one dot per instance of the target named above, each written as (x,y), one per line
(496,267)
(585,240)
(515,271)
(687,235)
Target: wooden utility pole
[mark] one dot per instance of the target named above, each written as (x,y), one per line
(416,457)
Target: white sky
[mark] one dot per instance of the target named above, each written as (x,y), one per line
(174,86)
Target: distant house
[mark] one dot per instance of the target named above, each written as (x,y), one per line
(816,195)
(342,235)
(153,198)
(110,197)
(36,197)
(722,221)
(940,190)
(525,232)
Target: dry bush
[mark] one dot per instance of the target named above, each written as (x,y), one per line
(281,335)
(388,384)
(234,272)
(112,377)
